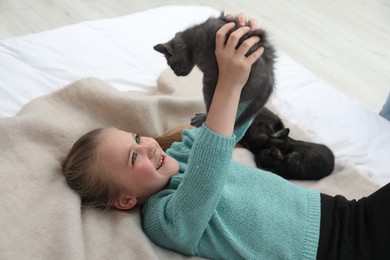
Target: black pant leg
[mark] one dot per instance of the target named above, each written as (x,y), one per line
(355,229)
(374,225)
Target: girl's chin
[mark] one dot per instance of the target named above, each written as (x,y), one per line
(170,166)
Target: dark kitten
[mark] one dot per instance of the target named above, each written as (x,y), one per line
(276,152)
(263,126)
(196,46)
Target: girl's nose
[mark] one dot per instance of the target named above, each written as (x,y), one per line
(150,149)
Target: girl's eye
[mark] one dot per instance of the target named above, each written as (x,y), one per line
(137,139)
(133,157)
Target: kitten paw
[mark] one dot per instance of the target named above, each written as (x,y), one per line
(198,119)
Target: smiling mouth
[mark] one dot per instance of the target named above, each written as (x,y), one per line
(161,162)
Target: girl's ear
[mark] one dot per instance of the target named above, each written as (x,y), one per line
(125,202)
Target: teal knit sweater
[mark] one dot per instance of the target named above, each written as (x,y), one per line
(219,209)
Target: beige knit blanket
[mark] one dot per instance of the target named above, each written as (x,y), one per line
(41,218)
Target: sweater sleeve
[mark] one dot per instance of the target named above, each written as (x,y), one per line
(239,132)
(180,216)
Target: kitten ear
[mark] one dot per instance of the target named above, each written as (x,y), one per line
(163,48)
(282,134)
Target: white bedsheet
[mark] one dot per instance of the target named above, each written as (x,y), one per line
(120,52)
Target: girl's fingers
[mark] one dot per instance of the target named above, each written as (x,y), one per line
(221,34)
(236,36)
(231,43)
(255,55)
(247,44)
(241,18)
(229,16)
(253,24)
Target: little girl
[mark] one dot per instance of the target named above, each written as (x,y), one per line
(195,200)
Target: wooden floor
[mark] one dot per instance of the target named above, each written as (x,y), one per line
(344,42)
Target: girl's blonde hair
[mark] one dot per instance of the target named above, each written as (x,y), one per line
(83,175)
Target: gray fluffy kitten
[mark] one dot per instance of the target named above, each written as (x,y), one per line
(196,46)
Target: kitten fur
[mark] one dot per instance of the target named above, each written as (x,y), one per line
(275,151)
(196,46)
(263,126)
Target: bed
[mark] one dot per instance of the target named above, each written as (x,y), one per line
(58,84)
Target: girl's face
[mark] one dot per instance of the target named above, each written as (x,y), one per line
(136,164)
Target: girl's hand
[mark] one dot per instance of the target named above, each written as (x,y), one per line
(233,66)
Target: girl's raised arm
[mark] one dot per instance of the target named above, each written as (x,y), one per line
(233,72)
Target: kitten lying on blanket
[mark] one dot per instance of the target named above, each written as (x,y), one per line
(263,126)
(268,139)
(196,46)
